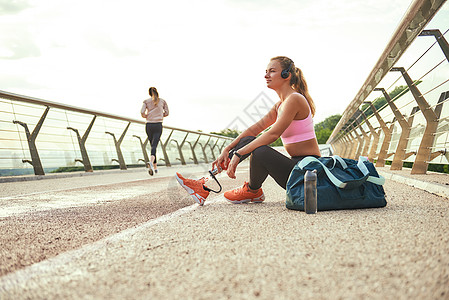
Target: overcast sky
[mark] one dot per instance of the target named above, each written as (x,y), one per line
(207,58)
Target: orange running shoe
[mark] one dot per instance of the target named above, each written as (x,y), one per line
(195,188)
(244,194)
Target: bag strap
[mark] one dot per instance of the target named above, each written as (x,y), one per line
(362,167)
(337,182)
(307,160)
(340,160)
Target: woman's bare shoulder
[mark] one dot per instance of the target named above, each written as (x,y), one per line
(296,99)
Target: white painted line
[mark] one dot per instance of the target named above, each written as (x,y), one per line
(20,277)
(431,187)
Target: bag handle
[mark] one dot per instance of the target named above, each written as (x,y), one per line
(337,182)
(376,180)
(362,167)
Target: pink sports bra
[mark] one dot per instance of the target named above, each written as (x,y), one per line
(299,130)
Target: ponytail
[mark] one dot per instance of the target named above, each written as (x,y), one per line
(297,80)
(154,95)
(299,84)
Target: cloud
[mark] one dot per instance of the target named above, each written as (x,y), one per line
(17,43)
(103,41)
(8,7)
(12,82)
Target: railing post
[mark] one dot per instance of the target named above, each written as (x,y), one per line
(164,151)
(192,149)
(342,149)
(203,148)
(181,155)
(438,108)
(143,146)
(405,132)
(375,135)
(348,144)
(440,39)
(381,157)
(425,148)
(31,138)
(340,146)
(120,158)
(212,149)
(366,138)
(220,148)
(351,143)
(355,143)
(360,143)
(82,143)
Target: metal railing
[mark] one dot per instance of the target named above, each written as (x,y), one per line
(38,136)
(401,113)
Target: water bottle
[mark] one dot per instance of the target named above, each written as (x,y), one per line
(219,168)
(310,202)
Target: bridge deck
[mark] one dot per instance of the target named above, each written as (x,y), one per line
(125,235)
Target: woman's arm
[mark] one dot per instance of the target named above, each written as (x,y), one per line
(291,106)
(165,108)
(254,130)
(143,110)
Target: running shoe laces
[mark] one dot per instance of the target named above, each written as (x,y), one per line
(244,194)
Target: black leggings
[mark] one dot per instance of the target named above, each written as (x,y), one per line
(266,161)
(154,132)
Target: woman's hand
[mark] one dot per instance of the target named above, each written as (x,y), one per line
(222,160)
(232,167)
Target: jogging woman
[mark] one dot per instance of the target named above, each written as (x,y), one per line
(154,110)
(290,118)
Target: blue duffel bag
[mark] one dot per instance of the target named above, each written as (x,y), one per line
(341,184)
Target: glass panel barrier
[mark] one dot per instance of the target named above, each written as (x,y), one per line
(57,141)
(414,72)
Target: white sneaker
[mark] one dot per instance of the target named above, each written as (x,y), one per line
(150,169)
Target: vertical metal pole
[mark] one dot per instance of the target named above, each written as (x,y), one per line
(361,143)
(220,148)
(355,143)
(143,146)
(348,144)
(204,150)
(343,145)
(164,149)
(179,146)
(381,157)
(120,158)
(375,135)
(192,149)
(366,137)
(339,147)
(425,148)
(82,144)
(405,132)
(35,159)
(212,149)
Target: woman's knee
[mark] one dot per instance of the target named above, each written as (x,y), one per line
(262,152)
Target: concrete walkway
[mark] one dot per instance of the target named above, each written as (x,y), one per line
(225,251)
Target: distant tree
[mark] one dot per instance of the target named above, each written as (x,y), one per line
(228,132)
(324,129)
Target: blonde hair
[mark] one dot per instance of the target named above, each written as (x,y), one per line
(297,80)
(154,95)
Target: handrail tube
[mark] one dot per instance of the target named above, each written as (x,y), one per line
(421,12)
(33,100)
